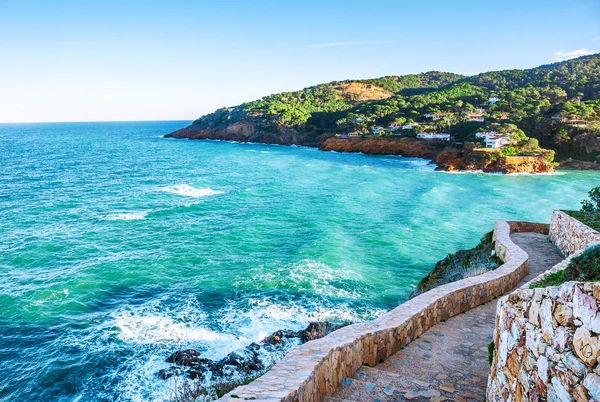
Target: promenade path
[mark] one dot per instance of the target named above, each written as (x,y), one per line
(450,361)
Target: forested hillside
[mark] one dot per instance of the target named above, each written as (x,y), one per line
(557,104)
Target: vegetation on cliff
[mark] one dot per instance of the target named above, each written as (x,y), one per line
(583,268)
(460,265)
(590,210)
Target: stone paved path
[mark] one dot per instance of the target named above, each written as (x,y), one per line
(448,362)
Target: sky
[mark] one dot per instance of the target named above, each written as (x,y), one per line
(112,60)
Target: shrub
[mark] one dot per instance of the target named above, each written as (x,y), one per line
(586,266)
(583,268)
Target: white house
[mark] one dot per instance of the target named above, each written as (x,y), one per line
(496,141)
(485,134)
(493,100)
(409,126)
(359,119)
(353,135)
(393,127)
(429,115)
(378,130)
(558,117)
(434,136)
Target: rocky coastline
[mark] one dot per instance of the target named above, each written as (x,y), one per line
(214,378)
(438,152)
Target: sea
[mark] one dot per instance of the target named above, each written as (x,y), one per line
(119,247)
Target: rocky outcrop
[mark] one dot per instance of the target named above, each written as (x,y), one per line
(409,147)
(249,130)
(453,159)
(244,364)
(460,265)
(579,165)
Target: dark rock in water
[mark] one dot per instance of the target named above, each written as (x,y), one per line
(188,358)
(278,337)
(315,330)
(169,372)
(245,361)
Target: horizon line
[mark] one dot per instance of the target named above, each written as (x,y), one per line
(92,121)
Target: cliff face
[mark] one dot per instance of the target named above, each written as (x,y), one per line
(409,147)
(248,131)
(453,159)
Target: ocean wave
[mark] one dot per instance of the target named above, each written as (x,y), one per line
(189,191)
(150,332)
(126,216)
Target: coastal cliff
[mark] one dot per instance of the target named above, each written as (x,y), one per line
(452,159)
(527,116)
(446,158)
(409,147)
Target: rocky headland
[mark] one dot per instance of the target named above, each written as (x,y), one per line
(439,152)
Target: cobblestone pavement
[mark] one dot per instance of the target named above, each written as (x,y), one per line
(450,361)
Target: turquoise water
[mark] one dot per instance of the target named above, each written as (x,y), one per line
(118,247)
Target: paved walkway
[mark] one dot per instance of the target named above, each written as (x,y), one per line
(450,361)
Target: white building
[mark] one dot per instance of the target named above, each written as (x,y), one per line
(434,136)
(492,139)
(408,126)
(493,100)
(497,142)
(378,130)
(429,115)
(486,134)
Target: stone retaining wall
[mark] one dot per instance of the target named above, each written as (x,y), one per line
(546,339)
(547,345)
(315,369)
(569,234)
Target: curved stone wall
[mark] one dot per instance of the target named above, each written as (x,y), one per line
(315,369)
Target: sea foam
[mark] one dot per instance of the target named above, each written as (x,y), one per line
(189,191)
(127,216)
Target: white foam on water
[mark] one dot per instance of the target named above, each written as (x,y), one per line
(127,216)
(537,174)
(189,191)
(153,329)
(148,333)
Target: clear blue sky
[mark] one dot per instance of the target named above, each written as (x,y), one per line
(76,60)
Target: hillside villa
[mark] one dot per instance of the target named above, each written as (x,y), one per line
(492,139)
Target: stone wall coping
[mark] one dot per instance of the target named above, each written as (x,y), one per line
(315,369)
